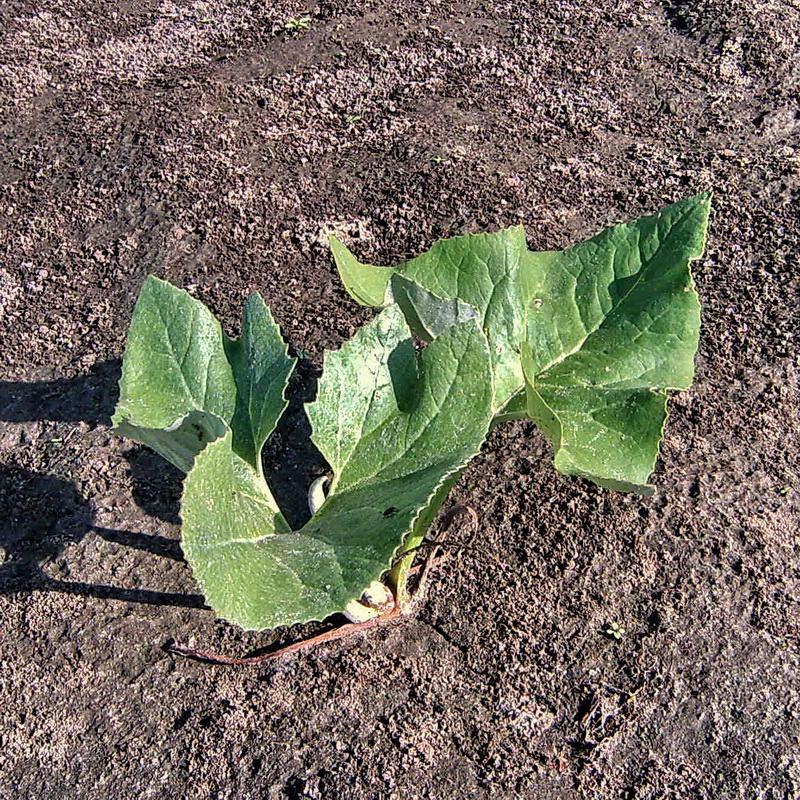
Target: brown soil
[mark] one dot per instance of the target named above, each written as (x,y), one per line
(202,142)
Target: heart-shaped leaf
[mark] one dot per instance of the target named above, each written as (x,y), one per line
(615,314)
(184,382)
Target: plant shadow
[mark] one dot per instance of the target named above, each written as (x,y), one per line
(291,460)
(42,513)
(156,485)
(86,398)
(90,398)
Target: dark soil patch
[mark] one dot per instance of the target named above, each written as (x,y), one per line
(202,142)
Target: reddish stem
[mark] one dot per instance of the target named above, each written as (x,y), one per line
(395,613)
(329,636)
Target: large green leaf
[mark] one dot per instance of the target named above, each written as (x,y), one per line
(611,324)
(617,313)
(184,382)
(177,389)
(393,425)
(480,270)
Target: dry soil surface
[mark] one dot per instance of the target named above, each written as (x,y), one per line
(209,143)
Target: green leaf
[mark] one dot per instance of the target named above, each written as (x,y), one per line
(383,411)
(184,382)
(611,323)
(610,437)
(179,443)
(515,408)
(405,559)
(481,271)
(261,369)
(616,313)
(366,284)
(177,389)
(427,314)
(393,425)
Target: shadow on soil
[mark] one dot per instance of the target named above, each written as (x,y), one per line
(85,398)
(291,460)
(43,513)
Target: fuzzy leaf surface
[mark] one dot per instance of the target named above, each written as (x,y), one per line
(393,425)
(177,389)
(184,382)
(261,369)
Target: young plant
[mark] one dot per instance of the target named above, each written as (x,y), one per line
(393,425)
(584,341)
(297,24)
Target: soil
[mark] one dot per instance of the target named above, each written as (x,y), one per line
(205,143)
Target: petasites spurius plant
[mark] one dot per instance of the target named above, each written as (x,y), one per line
(586,342)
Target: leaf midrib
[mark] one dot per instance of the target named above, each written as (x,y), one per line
(640,277)
(405,418)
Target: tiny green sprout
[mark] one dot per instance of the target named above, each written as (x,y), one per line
(351,118)
(439,160)
(297,24)
(614,630)
(784,491)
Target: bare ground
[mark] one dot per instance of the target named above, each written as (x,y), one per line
(203,142)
